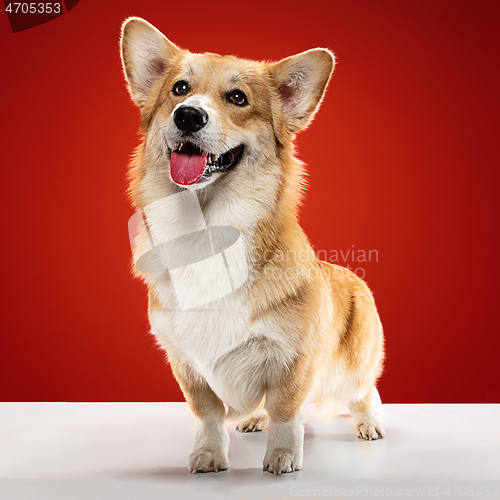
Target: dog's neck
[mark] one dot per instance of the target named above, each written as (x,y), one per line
(261,203)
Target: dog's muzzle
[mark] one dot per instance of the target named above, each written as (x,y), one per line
(190,163)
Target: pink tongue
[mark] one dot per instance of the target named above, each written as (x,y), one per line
(188,165)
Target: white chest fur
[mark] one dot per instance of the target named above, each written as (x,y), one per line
(216,338)
(219,343)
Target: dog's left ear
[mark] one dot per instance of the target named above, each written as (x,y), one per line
(301,81)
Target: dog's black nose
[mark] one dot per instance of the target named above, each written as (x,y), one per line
(190,119)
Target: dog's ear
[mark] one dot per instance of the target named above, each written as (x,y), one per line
(145,56)
(301,81)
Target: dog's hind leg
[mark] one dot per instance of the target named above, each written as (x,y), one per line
(366,423)
(362,353)
(211,442)
(256,422)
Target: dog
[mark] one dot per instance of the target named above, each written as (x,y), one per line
(220,130)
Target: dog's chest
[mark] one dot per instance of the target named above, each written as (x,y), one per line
(221,344)
(206,333)
(218,338)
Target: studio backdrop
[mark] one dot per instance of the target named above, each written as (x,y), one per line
(403,174)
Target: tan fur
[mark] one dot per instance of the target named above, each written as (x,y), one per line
(311,329)
(202,400)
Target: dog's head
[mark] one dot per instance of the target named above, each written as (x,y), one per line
(210,117)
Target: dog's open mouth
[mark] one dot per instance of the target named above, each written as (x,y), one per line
(189,164)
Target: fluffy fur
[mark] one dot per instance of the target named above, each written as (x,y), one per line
(299,329)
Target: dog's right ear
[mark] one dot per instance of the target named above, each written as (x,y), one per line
(145,56)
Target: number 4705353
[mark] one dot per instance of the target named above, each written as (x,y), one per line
(33,8)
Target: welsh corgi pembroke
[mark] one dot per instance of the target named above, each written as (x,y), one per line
(255,326)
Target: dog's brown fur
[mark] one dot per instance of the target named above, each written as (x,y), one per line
(312,328)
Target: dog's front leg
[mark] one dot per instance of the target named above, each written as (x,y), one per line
(211,441)
(285,441)
(285,444)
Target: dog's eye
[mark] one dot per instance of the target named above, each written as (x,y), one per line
(181,88)
(237,97)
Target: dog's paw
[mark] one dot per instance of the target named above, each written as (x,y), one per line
(369,431)
(207,461)
(281,461)
(253,424)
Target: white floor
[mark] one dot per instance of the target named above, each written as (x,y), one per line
(140,450)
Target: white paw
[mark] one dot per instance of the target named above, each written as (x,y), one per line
(369,431)
(282,461)
(205,460)
(211,444)
(285,444)
(253,424)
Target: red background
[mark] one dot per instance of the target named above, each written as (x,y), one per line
(403,159)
